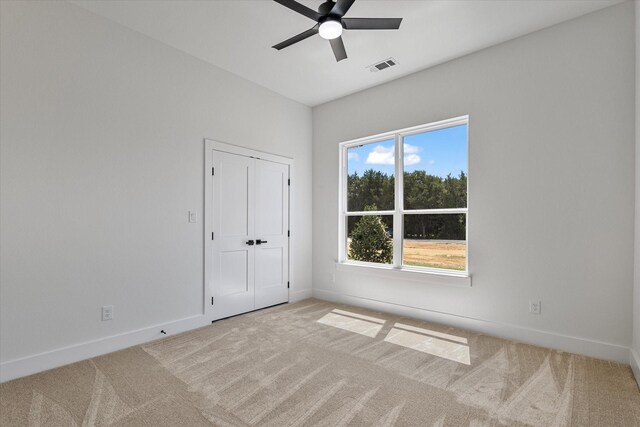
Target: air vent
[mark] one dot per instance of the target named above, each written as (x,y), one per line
(379,66)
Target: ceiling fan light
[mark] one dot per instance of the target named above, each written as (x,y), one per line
(330,29)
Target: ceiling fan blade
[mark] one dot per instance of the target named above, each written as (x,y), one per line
(341,7)
(295,39)
(300,8)
(338,49)
(371,23)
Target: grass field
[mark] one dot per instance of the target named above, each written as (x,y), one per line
(435,254)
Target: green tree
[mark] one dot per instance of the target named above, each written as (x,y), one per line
(421,191)
(370,240)
(373,188)
(455,191)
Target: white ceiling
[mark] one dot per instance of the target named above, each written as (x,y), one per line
(237,36)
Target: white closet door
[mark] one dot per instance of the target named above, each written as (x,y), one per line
(249,257)
(234,230)
(271,228)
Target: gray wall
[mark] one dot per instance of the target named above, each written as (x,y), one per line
(635,355)
(551,185)
(102,156)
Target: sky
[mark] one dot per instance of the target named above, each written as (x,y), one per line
(438,152)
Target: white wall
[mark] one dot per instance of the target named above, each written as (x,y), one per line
(635,349)
(102,156)
(551,185)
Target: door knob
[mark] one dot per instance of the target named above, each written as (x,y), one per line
(250,242)
(259,242)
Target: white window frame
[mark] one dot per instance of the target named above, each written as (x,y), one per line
(398,212)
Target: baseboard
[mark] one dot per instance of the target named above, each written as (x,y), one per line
(634,361)
(63,356)
(592,348)
(300,295)
(74,353)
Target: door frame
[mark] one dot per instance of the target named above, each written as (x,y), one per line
(209,146)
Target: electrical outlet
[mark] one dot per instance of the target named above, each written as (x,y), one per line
(193,216)
(535,307)
(107,312)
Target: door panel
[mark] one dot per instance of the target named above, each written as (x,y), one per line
(234,194)
(269,267)
(233,225)
(272,225)
(270,194)
(234,267)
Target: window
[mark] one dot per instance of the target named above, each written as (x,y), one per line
(403,199)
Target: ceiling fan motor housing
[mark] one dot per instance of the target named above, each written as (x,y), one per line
(326,7)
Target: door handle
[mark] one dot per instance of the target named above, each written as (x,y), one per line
(250,242)
(259,242)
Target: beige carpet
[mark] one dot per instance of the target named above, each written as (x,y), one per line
(319,363)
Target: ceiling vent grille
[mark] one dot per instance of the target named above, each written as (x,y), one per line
(382,65)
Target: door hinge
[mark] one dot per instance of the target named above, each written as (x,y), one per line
(287,285)
(289,181)
(288,233)
(213,171)
(211,300)
(212,235)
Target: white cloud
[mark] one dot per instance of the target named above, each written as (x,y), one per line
(410,149)
(411,159)
(385,156)
(380,156)
(431,162)
(353,156)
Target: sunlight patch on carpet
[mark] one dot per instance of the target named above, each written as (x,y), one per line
(353,322)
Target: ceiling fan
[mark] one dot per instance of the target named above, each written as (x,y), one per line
(330,22)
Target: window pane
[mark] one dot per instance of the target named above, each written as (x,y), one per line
(370,238)
(370,180)
(436,241)
(435,169)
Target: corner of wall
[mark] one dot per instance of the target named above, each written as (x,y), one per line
(300,295)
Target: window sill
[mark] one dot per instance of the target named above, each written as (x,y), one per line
(448,278)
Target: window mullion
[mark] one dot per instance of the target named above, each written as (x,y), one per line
(342,225)
(436,211)
(399,200)
(371,213)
